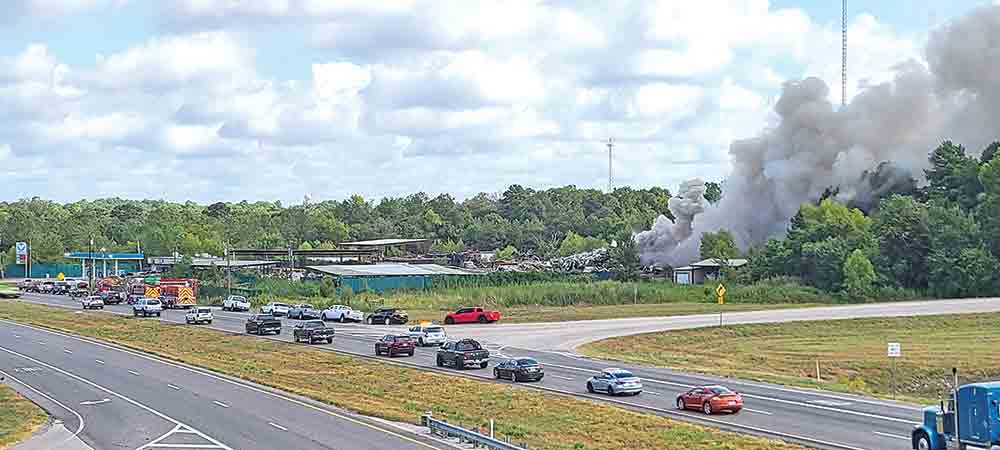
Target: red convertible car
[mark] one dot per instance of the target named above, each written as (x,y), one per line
(470,315)
(711,399)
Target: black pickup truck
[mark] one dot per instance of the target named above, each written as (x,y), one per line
(313,331)
(263,324)
(463,353)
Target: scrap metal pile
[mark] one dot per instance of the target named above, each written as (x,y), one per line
(598,260)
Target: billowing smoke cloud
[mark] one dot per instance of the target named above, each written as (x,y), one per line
(816,145)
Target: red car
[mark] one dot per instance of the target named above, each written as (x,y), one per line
(470,315)
(392,345)
(711,399)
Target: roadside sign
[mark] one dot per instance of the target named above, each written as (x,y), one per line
(61,276)
(720,294)
(21,252)
(894,350)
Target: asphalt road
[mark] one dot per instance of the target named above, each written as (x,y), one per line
(814,418)
(116,399)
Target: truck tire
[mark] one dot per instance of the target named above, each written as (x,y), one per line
(923,442)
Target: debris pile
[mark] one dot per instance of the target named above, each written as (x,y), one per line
(598,260)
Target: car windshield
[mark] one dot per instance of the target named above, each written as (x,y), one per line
(153,302)
(466,346)
(204,310)
(402,338)
(622,374)
(434,330)
(265,317)
(239,299)
(523,362)
(314,324)
(719,390)
(280,305)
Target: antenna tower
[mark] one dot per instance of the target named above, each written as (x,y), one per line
(843,57)
(611,183)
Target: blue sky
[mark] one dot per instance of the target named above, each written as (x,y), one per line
(334,98)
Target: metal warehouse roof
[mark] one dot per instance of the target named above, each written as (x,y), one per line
(715,263)
(376,270)
(378,242)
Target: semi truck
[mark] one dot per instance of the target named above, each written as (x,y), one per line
(971,418)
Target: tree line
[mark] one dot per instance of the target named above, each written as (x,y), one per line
(942,239)
(521,220)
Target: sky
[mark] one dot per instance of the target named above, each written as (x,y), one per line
(230,100)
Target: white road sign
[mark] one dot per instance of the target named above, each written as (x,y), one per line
(894,350)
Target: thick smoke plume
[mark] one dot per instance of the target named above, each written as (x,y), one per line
(816,145)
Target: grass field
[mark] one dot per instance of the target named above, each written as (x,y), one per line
(851,353)
(542,420)
(19,417)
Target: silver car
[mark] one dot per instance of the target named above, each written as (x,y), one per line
(615,382)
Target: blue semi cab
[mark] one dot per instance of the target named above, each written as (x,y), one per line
(971,418)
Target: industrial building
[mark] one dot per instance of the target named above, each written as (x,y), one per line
(705,270)
(385,276)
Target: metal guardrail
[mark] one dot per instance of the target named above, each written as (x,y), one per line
(478,440)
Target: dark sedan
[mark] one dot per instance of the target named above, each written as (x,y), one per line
(388,316)
(519,369)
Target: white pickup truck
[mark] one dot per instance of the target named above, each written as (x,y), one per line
(236,303)
(343,314)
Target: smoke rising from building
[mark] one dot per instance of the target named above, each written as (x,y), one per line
(816,145)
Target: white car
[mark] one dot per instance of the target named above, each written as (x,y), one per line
(92,302)
(236,303)
(428,334)
(198,315)
(147,306)
(343,314)
(275,309)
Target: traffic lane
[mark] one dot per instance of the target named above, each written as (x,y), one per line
(88,412)
(793,417)
(243,416)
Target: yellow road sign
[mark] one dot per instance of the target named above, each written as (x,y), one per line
(720,293)
(61,276)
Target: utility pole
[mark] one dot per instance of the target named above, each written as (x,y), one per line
(93,267)
(1,259)
(611,183)
(229,271)
(843,56)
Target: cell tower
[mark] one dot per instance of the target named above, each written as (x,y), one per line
(843,57)
(611,183)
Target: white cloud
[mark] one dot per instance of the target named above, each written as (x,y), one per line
(414,92)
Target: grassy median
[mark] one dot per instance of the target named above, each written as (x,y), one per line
(378,389)
(852,354)
(19,417)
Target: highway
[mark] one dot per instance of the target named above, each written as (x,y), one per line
(814,418)
(117,399)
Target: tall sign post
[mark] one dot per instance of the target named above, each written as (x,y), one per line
(1,259)
(894,351)
(21,257)
(720,297)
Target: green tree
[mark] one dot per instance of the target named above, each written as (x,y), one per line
(820,238)
(953,176)
(625,258)
(507,254)
(859,275)
(988,212)
(574,243)
(183,269)
(305,246)
(903,234)
(718,245)
(713,192)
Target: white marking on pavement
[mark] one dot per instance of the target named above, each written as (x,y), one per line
(66,350)
(17,336)
(98,361)
(828,403)
(142,406)
(133,372)
(46,396)
(277,426)
(560,376)
(221,404)
(757,411)
(96,402)
(893,436)
(173,387)
(41,342)
(651,393)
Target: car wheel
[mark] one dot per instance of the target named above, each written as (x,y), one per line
(343,318)
(440,362)
(590,387)
(707,408)
(680,403)
(449,320)
(209,322)
(370,321)
(329,340)
(386,321)
(483,365)
(410,354)
(482,319)
(611,391)
(496,374)
(923,442)
(157,314)
(420,342)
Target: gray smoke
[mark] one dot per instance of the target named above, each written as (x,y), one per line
(816,145)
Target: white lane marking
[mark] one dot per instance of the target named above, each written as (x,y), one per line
(68,351)
(651,393)
(234,383)
(561,377)
(180,429)
(890,435)
(220,404)
(198,446)
(121,396)
(761,397)
(41,342)
(173,387)
(98,361)
(133,372)
(96,402)
(17,336)
(828,403)
(47,397)
(277,426)
(757,411)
